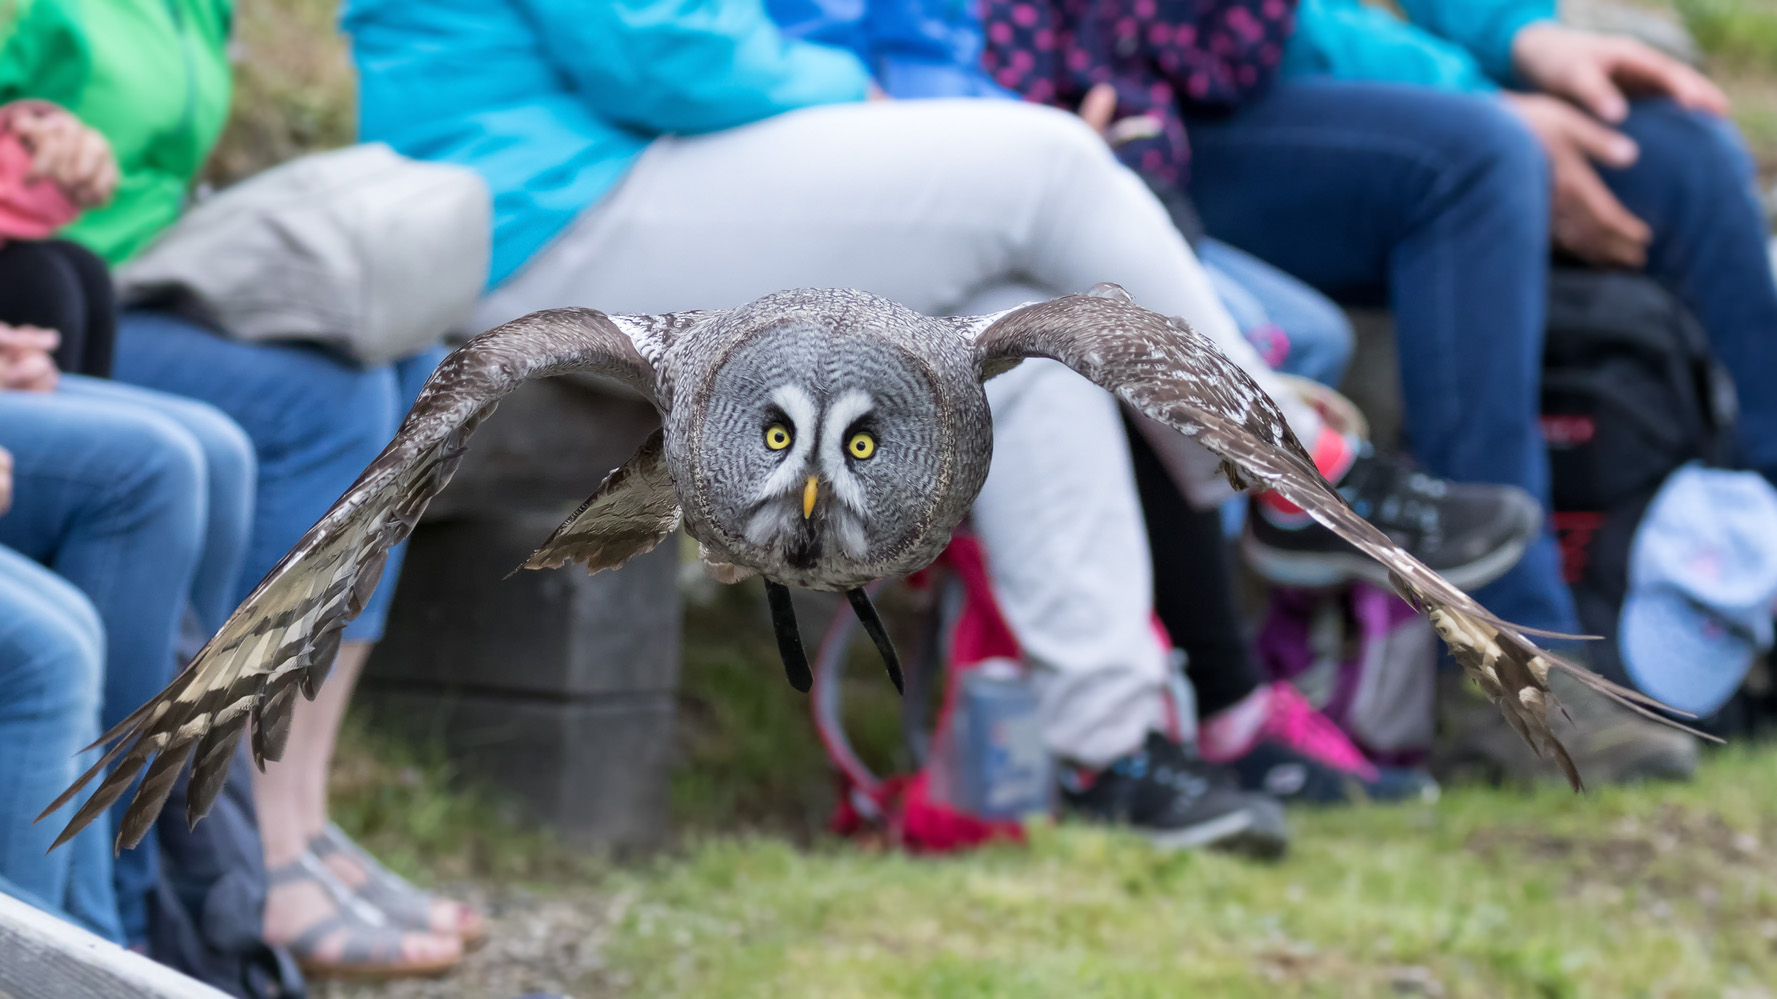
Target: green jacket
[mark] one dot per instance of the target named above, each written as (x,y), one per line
(152,75)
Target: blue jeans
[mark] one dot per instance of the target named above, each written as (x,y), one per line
(1296,329)
(1439,204)
(52,661)
(140,500)
(315,421)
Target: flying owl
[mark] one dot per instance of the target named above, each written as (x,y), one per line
(818,438)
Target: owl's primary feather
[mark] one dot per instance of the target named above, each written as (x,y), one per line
(720,378)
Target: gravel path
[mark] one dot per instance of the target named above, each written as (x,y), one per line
(537,943)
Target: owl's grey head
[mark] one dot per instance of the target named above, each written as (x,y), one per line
(826,452)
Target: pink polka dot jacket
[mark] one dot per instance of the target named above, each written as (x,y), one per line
(1161,56)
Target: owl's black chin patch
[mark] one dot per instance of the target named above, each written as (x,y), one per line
(805,546)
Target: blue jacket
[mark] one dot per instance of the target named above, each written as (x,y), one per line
(1448,44)
(553,100)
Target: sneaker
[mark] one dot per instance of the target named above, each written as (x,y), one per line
(1298,755)
(1179,802)
(1470,533)
(1609,743)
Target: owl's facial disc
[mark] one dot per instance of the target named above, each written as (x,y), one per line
(820,453)
(814,495)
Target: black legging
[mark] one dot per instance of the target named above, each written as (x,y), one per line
(63,287)
(1193,586)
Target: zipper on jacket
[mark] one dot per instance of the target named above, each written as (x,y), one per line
(188,116)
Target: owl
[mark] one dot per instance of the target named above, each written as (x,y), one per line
(817,438)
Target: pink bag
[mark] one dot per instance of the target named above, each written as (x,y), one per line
(29,209)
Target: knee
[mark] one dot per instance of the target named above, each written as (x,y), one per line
(226,449)
(1700,156)
(1496,155)
(160,472)
(1028,134)
(57,662)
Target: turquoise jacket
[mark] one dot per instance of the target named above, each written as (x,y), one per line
(1448,44)
(553,100)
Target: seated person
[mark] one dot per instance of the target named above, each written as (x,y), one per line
(52,652)
(1361,188)
(153,77)
(138,499)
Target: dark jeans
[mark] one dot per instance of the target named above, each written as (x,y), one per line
(1438,204)
(61,286)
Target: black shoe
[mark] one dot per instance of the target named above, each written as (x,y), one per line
(1180,802)
(1471,534)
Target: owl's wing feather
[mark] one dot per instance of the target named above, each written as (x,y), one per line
(632,511)
(283,638)
(1171,373)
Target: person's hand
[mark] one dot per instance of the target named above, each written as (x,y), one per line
(1600,72)
(5,480)
(26,362)
(1587,219)
(65,151)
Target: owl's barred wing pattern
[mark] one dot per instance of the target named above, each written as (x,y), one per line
(283,638)
(632,511)
(1171,373)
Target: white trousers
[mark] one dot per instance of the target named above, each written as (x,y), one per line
(947,207)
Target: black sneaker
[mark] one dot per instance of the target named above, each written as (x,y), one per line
(1180,802)
(1470,533)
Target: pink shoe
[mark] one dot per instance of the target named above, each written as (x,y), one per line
(1298,754)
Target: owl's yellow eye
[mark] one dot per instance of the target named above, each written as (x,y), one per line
(861,445)
(777,437)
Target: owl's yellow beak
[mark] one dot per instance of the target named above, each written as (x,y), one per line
(810,490)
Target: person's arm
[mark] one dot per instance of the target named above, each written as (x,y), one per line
(1349,40)
(1484,29)
(689,65)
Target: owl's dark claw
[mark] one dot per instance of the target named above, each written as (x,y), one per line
(789,639)
(860,602)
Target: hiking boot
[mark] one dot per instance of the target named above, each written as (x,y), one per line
(1609,743)
(1297,755)
(1470,533)
(1179,802)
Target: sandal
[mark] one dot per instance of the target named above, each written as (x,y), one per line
(406,906)
(372,947)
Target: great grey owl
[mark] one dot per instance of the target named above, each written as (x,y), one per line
(821,439)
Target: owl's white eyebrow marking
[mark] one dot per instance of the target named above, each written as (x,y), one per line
(805,429)
(841,414)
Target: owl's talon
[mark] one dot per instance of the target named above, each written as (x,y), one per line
(789,638)
(891,660)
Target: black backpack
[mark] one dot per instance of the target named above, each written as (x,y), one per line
(1630,393)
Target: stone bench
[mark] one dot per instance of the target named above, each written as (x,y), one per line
(556,686)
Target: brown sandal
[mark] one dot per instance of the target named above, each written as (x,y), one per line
(372,947)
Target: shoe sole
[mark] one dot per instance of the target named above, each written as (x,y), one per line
(1244,831)
(1326,569)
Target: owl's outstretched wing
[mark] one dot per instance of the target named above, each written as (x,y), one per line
(1175,375)
(283,638)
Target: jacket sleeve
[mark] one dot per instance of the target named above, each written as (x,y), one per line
(1483,28)
(688,65)
(1462,45)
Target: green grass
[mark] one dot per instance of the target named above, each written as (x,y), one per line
(1646,893)
(1737,32)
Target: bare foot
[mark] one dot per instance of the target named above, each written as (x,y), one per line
(443,916)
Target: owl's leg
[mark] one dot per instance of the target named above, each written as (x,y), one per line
(860,602)
(789,638)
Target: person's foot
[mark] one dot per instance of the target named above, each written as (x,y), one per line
(334,934)
(1275,742)
(1609,743)
(1469,533)
(407,906)
(1179,802)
